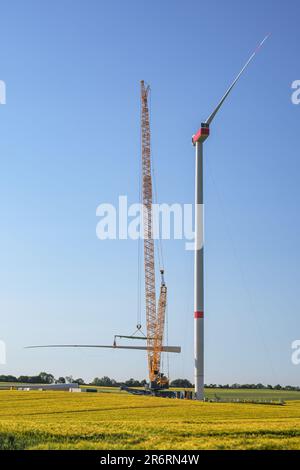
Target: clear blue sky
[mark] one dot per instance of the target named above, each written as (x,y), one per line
(70,140)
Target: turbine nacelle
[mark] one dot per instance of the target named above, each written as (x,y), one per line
(202,134)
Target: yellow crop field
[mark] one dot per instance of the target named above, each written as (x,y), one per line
(63,420)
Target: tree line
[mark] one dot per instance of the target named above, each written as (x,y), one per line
(46,378)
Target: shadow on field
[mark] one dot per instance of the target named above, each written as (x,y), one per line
(94,410)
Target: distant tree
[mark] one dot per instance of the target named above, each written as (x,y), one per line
(79,381)
(42,378)
(181,383)
(95,381)
(23,379)
(35,379)
(8,378)
(235,386)
(260,386)
(103,382)
(46,378)
(61,380)
(133,383)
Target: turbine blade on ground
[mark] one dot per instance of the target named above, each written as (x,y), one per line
(174,349)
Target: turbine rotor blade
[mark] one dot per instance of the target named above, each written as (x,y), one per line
(174,349)
(211,117)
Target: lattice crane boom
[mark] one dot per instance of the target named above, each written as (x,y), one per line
(155,317)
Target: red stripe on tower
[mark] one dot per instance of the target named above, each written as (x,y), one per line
(198,315)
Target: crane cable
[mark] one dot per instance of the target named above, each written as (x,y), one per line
(139,267)
(159,248)
(252,311)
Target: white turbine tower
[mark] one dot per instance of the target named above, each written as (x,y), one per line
(198,139)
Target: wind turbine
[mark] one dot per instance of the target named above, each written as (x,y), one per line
(198,139)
